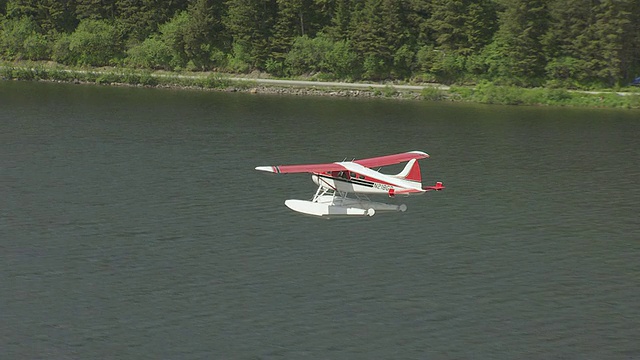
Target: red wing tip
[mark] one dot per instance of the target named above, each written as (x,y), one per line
(421,153)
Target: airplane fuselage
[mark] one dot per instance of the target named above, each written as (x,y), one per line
(360,179)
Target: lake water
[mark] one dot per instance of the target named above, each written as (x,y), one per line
(134,226)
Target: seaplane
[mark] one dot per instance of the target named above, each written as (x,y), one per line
(338,180)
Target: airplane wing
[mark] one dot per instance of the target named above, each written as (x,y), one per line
(307,168)
(369,162)
(391,159)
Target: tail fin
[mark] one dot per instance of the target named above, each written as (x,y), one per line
(411,171)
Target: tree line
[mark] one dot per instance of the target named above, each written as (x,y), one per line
(558,43)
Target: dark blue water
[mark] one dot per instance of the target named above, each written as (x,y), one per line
(132,225)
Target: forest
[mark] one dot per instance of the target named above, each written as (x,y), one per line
(571,44)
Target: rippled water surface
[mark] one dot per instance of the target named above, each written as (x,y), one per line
(133,225)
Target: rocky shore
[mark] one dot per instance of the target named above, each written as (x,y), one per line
(345,93)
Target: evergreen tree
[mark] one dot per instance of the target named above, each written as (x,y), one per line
(418,16)
(339,19)
(448,22)
(204,36)
(516,55)
(50,15)
(592,41)
(142,17)
(613,29)
(296,18)
(633,46)
(96,9)
(249,24)
(377,32)
(172,36)
(17,9)
(60,15)
(481,24)
(290,24)
(319,16)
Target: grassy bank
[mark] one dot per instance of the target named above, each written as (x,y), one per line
(487,93)
(484,93)
(119,77)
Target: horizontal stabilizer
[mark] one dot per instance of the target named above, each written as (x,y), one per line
(437,187)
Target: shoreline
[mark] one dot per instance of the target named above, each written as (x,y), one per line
(212,82)
(484,93)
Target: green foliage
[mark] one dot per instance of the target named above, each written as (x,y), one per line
(476,66)
(557,96)
(153,53)
(321,54)
(59,74)
(7,72)
(389,91)
(424,58)
(462,26)
(508,95)
(173,38)
(461,92)
(140,18)
(185,42)
(36,47)
(20,40)
(96,9)
(447,67)
(203,82)
(96,43)
(432,94)
(404,62)
(491,94)
(374,68)
(108,78)
(238,60)
(274,67)
(308,55)
(342,61)
(61,51)
(50,15)
(566,72)
(147,79)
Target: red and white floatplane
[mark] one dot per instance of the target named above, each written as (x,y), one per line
(337,180)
